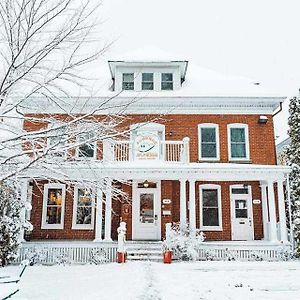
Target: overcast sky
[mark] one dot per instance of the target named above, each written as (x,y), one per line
(259,39)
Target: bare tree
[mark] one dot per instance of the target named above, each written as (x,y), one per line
(46,46)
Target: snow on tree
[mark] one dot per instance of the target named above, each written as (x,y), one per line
(293,155)
(11,206)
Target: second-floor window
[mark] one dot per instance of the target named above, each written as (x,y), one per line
(128,81)
(56,142)
(167,81)
(208,142)
(238,142)
(87,146)
(147,81)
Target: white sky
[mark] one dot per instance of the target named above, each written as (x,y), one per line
(258,39)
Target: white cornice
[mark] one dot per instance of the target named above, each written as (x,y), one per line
(157,105)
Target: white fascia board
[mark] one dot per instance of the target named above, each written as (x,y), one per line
(163,171)
(155,105)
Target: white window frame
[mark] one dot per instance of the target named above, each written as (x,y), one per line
(238,125)
(48,186)
(216,127)
(128,81)
(147,81)
(161,81)
(75,206)
(85,157)
(218,188)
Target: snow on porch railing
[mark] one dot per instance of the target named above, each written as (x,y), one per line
(122,151)
(48,253)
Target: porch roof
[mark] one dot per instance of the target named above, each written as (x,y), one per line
(96,170)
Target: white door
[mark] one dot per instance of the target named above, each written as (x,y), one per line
(241,213)
(146,213)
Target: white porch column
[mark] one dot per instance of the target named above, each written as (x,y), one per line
(272,213)
(98,226)
(23,187)
(192,206)
(265,214)
(281,209)
(182,202)
(108,210)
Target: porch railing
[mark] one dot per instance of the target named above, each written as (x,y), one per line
(123,151)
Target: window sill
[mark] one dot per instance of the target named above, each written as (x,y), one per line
(78,227)
(52,227)
(240,161)
(211,228)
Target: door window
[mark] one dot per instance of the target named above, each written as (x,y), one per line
(147,208)
(241,210)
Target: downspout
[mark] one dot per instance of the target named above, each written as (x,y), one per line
(278,111)
(290,212)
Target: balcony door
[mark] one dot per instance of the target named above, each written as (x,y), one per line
(146,212)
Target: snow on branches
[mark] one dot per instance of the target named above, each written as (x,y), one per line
(293,155)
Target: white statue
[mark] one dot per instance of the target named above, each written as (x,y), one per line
(121,237)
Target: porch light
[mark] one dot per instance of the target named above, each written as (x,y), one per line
(263,119)
(145,184)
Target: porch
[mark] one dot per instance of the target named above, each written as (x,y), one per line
(83,252)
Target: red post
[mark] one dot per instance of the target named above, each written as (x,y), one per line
(167,257)
(121,257)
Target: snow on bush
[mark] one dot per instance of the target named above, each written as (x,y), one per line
(182,243)
(10,222)
(293,156)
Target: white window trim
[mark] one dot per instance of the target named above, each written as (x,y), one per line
(209,125)
(161,81)
(218,188)
(238,125)
(85,157)
(45,199)
(75,204)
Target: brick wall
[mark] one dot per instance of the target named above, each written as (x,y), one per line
(261,136)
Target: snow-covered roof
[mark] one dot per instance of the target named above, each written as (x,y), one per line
(199,81)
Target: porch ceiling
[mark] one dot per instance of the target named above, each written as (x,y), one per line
(96,170)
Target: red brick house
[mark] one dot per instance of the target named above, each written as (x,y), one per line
(200,150)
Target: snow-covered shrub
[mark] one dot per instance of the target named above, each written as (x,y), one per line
(293,160)
(183,245)
(98,256)
(10,225)
(36,255)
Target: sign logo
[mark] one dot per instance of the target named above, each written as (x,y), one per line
(146,146)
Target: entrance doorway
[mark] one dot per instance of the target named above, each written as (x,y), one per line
(146,212)
(241,213)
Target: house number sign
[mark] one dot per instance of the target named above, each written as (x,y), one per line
(166,201)
(256,201)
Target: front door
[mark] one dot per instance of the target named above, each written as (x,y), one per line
(241,214)
(146,216)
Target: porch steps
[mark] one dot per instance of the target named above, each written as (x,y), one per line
(145,251)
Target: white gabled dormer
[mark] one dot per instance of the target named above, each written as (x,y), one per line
(147,75)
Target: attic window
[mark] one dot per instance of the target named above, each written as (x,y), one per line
(128,81)
(147,81)
(167,81)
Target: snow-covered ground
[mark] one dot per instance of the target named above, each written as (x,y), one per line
(145,280)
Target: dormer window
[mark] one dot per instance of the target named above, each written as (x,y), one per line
(128,81)
(147,81)
(166,81)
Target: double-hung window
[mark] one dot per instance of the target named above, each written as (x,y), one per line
(87,145)
(210,207)
(238,142)
(167,81)
(53,206)
(128,81)
(147,81)
(83,209)
(208,142)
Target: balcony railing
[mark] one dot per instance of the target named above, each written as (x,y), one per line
(124,151)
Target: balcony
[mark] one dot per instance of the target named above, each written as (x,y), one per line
(129,151)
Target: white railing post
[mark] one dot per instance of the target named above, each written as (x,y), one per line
(168,234)
(108,151)
(186,150)
(121,237)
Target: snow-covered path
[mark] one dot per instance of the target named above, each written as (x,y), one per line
(145,280)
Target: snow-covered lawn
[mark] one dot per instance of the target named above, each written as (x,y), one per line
(145,280)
